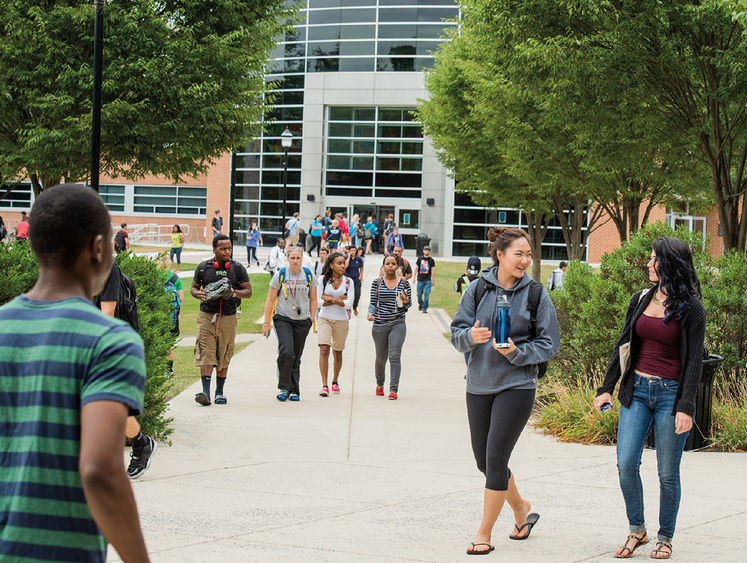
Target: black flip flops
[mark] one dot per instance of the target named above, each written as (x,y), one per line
(531,521)
(473,551)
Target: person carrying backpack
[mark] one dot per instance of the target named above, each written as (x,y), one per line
(501,381)
(121,239)
(291,308)
(118,300)
(220,284)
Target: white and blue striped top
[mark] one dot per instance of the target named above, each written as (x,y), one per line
(383,305)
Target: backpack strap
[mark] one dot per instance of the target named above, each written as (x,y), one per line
(483,286)
(535,295)
(173,278)
(309,277)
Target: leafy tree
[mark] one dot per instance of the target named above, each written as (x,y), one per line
(182,84)
(681,63)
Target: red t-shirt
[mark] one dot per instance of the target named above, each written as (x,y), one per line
(22,229)
(660,347)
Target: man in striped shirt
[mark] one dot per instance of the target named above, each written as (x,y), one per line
(69,376)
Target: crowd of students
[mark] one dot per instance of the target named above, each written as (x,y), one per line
(72,378)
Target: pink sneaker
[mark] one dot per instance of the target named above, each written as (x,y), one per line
(335,387)
(324,392)
(392,396)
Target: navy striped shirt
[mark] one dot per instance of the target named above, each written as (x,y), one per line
(383,305)
(56,357)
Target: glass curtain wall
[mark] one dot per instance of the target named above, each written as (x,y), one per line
(339,36)
(373,152)
(472,222)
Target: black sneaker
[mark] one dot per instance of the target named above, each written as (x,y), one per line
(141,457)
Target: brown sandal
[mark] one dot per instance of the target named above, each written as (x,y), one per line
(663,550)
(627,551)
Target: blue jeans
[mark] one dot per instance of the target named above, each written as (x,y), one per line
(653,400)
(424,292)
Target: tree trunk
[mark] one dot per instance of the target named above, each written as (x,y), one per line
(537,223)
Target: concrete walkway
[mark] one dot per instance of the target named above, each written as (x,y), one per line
(356,477)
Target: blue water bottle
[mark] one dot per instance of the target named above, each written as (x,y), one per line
(502,329)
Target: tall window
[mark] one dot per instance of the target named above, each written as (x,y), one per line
(373,152)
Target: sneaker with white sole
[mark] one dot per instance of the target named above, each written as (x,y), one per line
(335,387)
(140,458)
(324,392)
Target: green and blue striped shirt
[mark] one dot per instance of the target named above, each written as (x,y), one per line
(54,358)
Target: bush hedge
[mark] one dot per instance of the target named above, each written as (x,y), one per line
(19,272)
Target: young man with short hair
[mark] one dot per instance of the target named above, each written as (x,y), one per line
(405,269)
(556,277)
(293,226)
(22,228)
(277,259)
(426,267)
(217,317)
(69,377)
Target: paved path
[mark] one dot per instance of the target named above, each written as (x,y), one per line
(356,477)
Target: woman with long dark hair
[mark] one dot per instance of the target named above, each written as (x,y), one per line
(663,332)
(177,243)
(335,294)
(502,371)
(391,296)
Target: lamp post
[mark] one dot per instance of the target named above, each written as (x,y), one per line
(286,140)
(98,50)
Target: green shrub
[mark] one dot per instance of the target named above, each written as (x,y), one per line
(18,270)
(154,313)
(568,414)
(729,421)
(725,301)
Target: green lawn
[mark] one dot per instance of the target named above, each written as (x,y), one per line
(443,295)
(251,309)
(185,371)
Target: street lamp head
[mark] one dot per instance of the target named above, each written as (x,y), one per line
(286,138)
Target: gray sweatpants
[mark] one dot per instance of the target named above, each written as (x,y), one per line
(388,339)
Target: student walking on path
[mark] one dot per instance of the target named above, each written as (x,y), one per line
(335,294)
(290,308)
(426,267)
(501,380)
(69,377)
(663,333)
(354,271)
(315,231)
(216,321)
(177,243)
(253,241)
(391,296)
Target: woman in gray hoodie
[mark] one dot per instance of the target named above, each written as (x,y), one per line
(501,381)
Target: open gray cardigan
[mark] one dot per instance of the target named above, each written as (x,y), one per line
(691,354)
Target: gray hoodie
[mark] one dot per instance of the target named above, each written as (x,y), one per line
(489,371)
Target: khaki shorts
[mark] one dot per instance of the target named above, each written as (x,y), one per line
(332,333)
(215,339)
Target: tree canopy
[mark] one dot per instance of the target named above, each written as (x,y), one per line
(554,104)
(183,83)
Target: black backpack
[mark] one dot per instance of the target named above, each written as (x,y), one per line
(127,302)
(119,242)
(535,294)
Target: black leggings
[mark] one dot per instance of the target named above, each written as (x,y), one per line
(495,424)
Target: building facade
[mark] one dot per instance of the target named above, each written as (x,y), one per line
(345,82)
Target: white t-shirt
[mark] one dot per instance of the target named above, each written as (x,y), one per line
(335,312)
